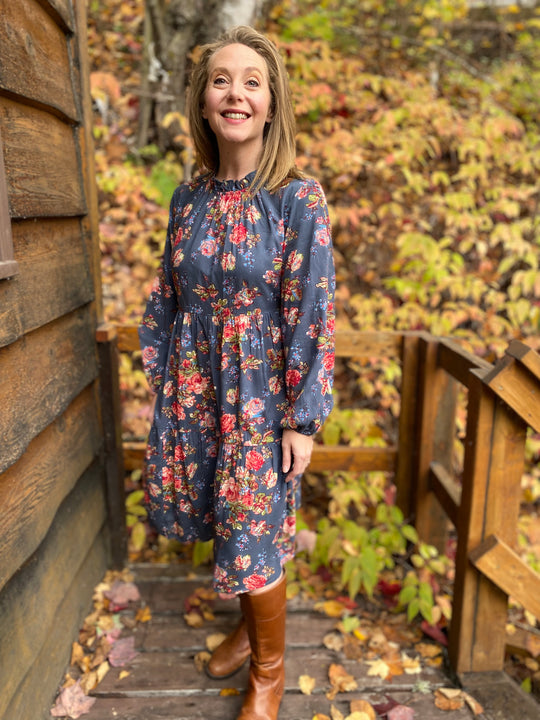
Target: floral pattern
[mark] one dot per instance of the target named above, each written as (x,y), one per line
(238,344)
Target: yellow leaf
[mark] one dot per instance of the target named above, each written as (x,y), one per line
(194,619)
(410,665)
(332,608)
(144,614)
(306,684)
(214,640)
(363,706)
(102,670)
(333,641)
(378,668)
(201,659)
(336,714)
(123,674)
(358,716)
(226,692)
(473,704)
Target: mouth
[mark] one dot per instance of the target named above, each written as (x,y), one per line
(231,115)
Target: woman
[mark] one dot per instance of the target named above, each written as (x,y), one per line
(237,343)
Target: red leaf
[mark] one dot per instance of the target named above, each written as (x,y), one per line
(434,632)
(401,712)
(123,652)
(72,702)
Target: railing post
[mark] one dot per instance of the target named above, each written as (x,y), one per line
(433,441)
(493,466)
(111,418)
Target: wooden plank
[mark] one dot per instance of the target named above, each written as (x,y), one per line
(60,10)
(349,343)
(514,383)
(323,459)
(111,414)
(493,466)
(500,696)
(407,457)
(29,604)
(35,60)
(446,490)
(526,356)
(90,223)
(458,362)
(8,266)
(497,561)
(353,343)
(41,374)
(293,706)
(52,265)
(35,694)
(434,440)
(41,163)
(32,490)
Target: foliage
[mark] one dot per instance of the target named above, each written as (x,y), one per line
(420,118)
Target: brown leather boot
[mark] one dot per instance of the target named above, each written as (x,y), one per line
(229,657)
(265,619)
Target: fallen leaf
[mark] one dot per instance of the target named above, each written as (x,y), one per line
(121,594)
(363,706)
(434,632)
(400,712)
(446,701)
(472,703)
(123,674)
(72,703)
(332,608)
(123,652)
(450,693)
(340,680)
(194,619)
(378,668)
(226,692)
(336,714)
(333,641)
(428,650)
(306,684)
(214,640)
(358,716)
(77,653)
(102,670)
(144,614)
(411,666)
(321,716)
(200,660)
(384,708)
(89,681)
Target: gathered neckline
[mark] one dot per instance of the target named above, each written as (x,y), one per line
(240,184)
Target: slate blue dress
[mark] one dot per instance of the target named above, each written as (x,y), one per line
(238,344)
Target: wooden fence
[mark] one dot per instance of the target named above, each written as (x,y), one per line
(503,400)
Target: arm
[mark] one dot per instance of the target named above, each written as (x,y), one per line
(307,323)
(161,308)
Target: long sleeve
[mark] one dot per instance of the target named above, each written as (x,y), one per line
(161,308)
(308,316)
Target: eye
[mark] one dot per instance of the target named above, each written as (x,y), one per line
(253,83)
(220,80)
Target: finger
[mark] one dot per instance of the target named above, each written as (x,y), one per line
(286,457)
(299,466)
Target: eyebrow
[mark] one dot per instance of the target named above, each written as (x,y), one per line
(246,70)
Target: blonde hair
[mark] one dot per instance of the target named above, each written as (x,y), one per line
(277,162)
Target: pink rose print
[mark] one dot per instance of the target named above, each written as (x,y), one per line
(228,422)
(254,460)
(253,582)
(293,377)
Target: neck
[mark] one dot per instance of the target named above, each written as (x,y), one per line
(236,165)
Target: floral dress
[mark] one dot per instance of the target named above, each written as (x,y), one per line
(238,344)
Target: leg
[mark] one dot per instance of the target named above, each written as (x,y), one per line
(264,612)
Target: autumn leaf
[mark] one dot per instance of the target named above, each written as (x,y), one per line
(448,699)
(336,714)
(472,703)
(123,652)
(143,614)
(214,640)
(201,659)
(121,594)
(228,692)
(340,680)
(363,706)
(333,641)
(378,668)
(306,684)
(72,703)
(400,712)
(194,619)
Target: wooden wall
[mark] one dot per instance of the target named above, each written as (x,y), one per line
(54,544)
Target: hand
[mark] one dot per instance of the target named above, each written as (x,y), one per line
(296,449)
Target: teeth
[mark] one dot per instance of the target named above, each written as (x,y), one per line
(235,116)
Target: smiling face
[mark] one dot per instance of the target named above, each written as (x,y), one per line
(237,101)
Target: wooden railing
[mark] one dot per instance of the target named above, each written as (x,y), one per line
(503,400)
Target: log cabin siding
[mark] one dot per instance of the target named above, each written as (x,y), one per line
(55,544)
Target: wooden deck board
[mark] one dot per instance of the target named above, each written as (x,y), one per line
(164,684)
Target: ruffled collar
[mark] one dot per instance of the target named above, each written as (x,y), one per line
(232,185)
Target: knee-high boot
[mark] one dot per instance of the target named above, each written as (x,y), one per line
(233,652)
(265,619)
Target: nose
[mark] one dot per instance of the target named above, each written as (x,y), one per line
(235,90)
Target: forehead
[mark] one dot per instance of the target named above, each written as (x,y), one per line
(237,56)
